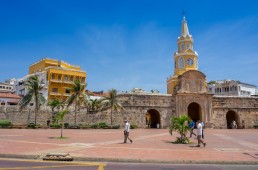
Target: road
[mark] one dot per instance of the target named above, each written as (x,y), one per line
(18,164)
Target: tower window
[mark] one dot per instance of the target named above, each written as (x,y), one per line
(187,46)
(182,46)
(181,62)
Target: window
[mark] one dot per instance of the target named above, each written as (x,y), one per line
(83,80)
(53,76)
(181,62)
(59,77)
(187,46)
(182,46)
(71,78)
(55,90)
(65,78)
(67,91)
(175,64)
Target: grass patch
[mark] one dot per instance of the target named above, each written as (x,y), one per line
(62,137)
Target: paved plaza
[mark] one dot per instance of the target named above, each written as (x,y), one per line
(149,145)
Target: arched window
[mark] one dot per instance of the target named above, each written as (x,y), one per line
(182,46)
(181,62)
(187,46)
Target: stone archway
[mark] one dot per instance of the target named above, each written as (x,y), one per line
(154,118)
(230,116)
(194,111)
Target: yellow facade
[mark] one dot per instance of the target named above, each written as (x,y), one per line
(185,58)
(60,77)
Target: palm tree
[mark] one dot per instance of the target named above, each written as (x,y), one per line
(94,105)
(33,85)
(111,102)
(180,124)
(77,92)
(60,116)
(55,104)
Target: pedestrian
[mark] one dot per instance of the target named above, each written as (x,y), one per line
(202,123)
(199,134)
(148,120)
(126,132)
(48,123)
(234,125)
(191,125)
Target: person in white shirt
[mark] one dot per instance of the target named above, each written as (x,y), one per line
(126,132)
(199,133)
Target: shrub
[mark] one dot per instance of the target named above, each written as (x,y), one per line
(102,125)
(55,126)
(94,126)
(133,126)
(86,126)
(115,126)
(66,125)
(73,127)
(33,125)
(5,123)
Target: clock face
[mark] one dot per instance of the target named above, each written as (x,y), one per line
(189,61)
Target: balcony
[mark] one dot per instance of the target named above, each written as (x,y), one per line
(56,80)
(66,94)
(68,82)
(55,94)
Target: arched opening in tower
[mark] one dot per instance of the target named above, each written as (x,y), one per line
(194,111)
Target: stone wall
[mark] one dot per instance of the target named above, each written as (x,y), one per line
(246,109)
(136,106)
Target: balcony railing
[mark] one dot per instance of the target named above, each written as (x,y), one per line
(55,94)
(56,80)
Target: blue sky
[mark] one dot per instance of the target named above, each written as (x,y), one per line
(124,44)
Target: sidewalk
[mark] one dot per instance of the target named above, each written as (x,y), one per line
(149,145)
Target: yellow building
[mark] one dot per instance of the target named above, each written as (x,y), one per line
(185,58)
(59,76)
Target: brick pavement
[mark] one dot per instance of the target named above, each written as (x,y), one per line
(149,145)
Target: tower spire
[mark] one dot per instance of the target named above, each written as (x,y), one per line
(184,28)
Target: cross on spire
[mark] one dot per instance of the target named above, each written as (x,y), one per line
(183,14)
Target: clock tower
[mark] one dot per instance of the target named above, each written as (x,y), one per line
(185,58)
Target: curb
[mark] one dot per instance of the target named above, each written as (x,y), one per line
(80,159)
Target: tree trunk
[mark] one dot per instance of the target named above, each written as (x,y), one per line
(111,117)
(62,128)
(75,114)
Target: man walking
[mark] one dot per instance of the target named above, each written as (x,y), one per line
(199,133)
(191,125)
(126,132)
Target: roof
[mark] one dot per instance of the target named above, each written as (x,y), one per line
(184,29)
(13,101)
(9,95)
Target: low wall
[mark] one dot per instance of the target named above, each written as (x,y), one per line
(246,109)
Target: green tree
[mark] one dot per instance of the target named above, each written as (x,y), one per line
(55,105)
(60,116)
(111,102)
(33,85)
(76,96)
(94,105)
(180,124)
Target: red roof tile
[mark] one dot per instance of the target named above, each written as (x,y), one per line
(9,95)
